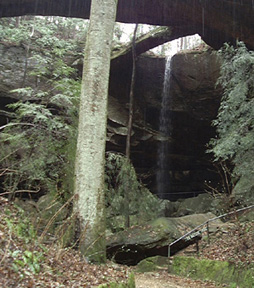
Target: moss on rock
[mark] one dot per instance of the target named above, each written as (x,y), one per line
(219,271)
(151,264)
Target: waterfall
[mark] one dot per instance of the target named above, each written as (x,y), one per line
(162,176)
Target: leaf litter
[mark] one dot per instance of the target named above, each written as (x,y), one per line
(24,262)
(56,267)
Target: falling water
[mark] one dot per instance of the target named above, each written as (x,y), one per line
(162,176)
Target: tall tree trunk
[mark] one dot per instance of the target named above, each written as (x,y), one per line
(133,77)
(90,154)
(128,138)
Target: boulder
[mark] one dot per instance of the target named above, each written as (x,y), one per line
(243,192)
(168,208)
(199,204)
(247,216)
(139,242)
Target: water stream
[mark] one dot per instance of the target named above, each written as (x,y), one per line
(162,176)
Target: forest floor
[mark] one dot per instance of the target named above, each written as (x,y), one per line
(25,262)
(163,279)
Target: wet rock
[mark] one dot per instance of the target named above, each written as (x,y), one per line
(193,106)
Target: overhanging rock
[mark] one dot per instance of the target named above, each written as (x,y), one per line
(139,242)
(216,21)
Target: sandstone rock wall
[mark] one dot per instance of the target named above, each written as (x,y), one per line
(194,103)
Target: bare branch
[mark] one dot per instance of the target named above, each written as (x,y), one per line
(20,191)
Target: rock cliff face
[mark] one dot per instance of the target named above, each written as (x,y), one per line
(193,104)
(216,21)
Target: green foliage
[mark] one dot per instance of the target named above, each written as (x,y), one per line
(23,228)
(27,262)
(24,261)
(36,144)
(57,33)
(235,121)
(35,148)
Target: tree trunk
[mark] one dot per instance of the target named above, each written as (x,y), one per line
(90,154)
(128,138)
(131,99)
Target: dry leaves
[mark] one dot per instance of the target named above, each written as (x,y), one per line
(57,267)
(235,244)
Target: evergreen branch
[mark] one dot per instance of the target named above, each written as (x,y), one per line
(15,124)
(5,157)
(7,170)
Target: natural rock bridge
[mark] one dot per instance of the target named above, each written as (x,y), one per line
(216,21)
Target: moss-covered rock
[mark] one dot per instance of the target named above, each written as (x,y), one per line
(151,264)
(199,204)
(66,233)
(243,192)
(138,242)
(29,206)
(168,208)
(219,271)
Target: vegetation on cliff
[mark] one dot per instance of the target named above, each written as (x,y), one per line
(234,124)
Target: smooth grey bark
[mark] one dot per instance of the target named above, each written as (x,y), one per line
(90,154)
